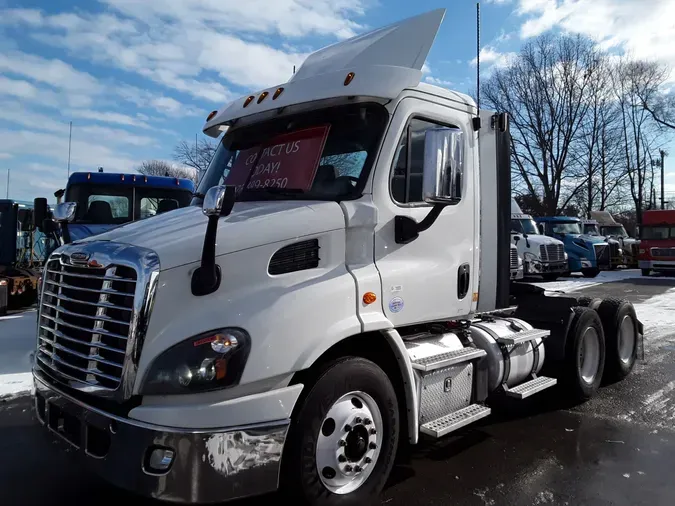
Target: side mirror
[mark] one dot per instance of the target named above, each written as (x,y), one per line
(218,202)
(40,212)
(443,165)
(65,212)
(541,229)
(516,239)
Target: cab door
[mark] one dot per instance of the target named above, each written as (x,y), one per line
(432,277)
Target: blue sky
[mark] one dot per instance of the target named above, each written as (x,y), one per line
(137,76)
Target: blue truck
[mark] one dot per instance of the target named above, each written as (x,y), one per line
(96,202)
(586,254)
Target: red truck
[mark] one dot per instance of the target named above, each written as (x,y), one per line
(657,241)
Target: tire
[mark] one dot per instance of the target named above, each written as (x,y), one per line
(589,302)
(301,480)
(550,277)
(582,383)
(646,272)
(591,272)
(618,318)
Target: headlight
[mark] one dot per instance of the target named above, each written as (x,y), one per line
(566,257)
(209,361)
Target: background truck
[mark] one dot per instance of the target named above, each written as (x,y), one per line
(99,201)
(657,241)
(23,250)
(515,263)
(542,255)
(339,286)
(612,229)
(592,228)
(586,254)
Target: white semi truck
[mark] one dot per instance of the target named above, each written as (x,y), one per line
(542,255)
(339,286)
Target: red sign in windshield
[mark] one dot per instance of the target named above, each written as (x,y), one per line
(285,161)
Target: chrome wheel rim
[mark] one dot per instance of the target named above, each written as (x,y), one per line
(349,442)
(589,355)
(626,340)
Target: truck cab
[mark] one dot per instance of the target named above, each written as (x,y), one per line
(586,253)
(657,241)
(592,228)
(96,202)
(339,284)
(542,255)
(612,229)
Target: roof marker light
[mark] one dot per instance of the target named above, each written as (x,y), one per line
(277,93)
(248,100)
(262,96)
(88,175)
(122,177)
(133,178)
(211,115)
(145,179)
(349,78)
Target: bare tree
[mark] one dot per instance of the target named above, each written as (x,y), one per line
(197,155)
(162,168)
(545,90)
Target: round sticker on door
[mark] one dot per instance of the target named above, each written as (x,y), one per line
(395,304)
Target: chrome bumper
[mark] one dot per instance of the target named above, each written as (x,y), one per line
(657,264)
(212,465)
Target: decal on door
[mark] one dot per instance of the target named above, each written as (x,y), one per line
(396,304)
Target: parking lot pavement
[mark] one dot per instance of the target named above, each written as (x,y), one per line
(617,449)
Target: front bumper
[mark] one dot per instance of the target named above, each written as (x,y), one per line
(212,465)
(546,267)
(657,265)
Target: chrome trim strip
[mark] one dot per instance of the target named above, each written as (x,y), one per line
(93,372)
(102,332)
(104,318)
(106,305)
(107,291)
(89,276)
(90,386)
(96,358)
(61,335)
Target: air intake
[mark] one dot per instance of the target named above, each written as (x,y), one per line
(295,257)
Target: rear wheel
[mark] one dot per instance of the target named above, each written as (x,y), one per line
(620,324)
(590,272)
(342,442)
(585,354)
(589,302)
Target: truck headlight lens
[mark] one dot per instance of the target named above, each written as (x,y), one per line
(209,361)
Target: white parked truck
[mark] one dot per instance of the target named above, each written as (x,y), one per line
(339,286)
(542,255)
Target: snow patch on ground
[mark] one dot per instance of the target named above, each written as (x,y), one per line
(657,314)
(15,384)
(578,282)
(17,342)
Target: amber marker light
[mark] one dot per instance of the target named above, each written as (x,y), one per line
(349,78)
(369,298)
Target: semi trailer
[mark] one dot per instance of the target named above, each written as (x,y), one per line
(338,286)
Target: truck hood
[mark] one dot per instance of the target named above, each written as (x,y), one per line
(178,236)
(593,239)
(537,240)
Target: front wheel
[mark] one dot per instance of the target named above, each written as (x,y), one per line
(590,272)
(342,442)
(646,272)
(550,276)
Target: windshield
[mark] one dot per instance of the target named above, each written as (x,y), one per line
(524,227)
(591,229)
(112,204)
(616,230)
(657,233)
(319,155)
(571,227)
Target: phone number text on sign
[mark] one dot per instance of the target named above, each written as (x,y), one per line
(288,160)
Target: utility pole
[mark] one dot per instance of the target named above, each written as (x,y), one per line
(7,183)
(70,139)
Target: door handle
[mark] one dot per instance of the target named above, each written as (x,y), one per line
(463,280)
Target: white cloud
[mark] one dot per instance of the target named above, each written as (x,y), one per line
(490,57)
(499,2)
(108,117)
(5,156)
(437,81)
(642,28)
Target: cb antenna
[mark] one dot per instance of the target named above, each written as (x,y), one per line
(478,55)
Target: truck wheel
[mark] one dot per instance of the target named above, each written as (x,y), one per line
(621,337)
(590,272)
(585,354)
(646,272)
(550,277)
(589,302)
(343,438)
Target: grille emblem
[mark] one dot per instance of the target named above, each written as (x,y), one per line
(79,257)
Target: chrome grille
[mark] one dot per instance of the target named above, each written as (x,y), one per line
(601,254)
(552,252)
(86,321)
(514,258)
(614,248)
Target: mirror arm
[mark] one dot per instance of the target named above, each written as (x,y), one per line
(406,229)
(206,279)
(65,233)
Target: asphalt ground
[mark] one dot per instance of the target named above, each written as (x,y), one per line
(616,449)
